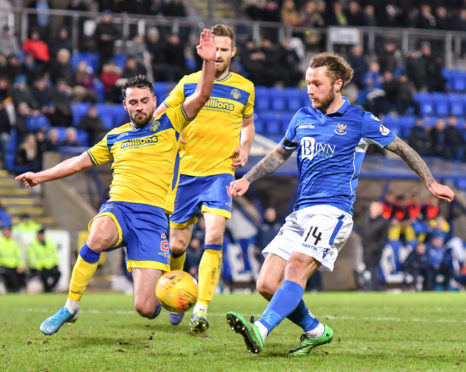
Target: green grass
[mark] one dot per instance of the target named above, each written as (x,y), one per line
(373,332)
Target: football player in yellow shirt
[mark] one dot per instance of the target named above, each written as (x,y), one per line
(145,175)
(215,145)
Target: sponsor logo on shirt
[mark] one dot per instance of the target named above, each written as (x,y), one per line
(384,130)
(341,129)
(307,126)
(216,104)
(122,135)
(311,149)
(139,142)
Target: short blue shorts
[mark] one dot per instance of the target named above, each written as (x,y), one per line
(142,229)
(201,194)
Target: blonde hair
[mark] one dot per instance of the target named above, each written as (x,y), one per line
(338,67)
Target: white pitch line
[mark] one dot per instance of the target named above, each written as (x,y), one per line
(333,317)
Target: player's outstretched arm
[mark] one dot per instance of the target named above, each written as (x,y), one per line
(419,166)
(267,165)
(207,51)
(241,153)
(63,169)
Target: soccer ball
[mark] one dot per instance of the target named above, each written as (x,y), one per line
(177,291)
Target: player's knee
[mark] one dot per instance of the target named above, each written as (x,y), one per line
(295,268)
(214,237)
(266,289)
(99,242)
(178,245)
(144,309)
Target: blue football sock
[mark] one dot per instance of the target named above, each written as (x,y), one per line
(283,302)
(302,317)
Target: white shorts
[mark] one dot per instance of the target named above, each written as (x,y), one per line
(318,231)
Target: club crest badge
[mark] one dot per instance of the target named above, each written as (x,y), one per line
(235,93)
(154,126)
(341,129)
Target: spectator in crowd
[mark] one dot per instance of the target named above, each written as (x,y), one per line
(437,260)
(454,141)
(61,41)
(93,125)
(359,64)
(433,63)
(271,72)
(337,16)
(111,73)
(12,68)
(373,232)
(26,224)
(417,265)
(41,94)
(459,23)
(30,68)
(83,84)
(415,69)
(253,61)
(132,67)
(39,50)
(61,67)
(5,122)
(311,19)
(289,14)
(5,219)
(137,49)
(41,19)
(368,16)
(289,62)
(437,138)
(61,98)
(8,43)
(389,57)
(426,19)
(21,93)
(271,13)
(42,255)
(353,14)
(44,145)
(430,208)
(268,229)
(52,141)
(37,121)
(27,156)
(106,33)
(253,8)
(77,6)
(173,8)
(11,262)
(442,19)
(71,137)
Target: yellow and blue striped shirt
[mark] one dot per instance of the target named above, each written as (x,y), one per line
(145,160)
(215,132)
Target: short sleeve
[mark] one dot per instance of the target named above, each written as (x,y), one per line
(100,153)
(248,110)
(176,96)
(290,141)
(374,131)
(177,117)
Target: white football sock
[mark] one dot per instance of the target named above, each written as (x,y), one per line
(198,307)
(72,306)
(316,332)
(262,329)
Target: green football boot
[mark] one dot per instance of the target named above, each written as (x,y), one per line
(249,331)
(306,343)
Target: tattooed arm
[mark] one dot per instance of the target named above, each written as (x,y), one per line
(415,162)
(266,166)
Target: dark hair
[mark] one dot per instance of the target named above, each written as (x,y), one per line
(337,66)
(137,81)
(223,30)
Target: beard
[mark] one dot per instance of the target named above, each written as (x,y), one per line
(141,121)
(322,104)
(219,71)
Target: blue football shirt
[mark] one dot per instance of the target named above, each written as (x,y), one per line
(330,152)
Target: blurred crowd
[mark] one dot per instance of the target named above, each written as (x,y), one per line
(408,243)
(26,253)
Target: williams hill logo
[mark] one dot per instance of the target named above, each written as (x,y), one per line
(235,94)
(341,130)
(154,126)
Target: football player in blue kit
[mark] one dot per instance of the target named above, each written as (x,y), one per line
(331,137)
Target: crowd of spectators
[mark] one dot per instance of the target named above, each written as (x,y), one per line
(26,253)
(409,243)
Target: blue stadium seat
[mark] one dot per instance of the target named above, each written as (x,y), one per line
(272,123)
(61,133)
(78,110)
(426,103)
(105,112)
(277,99)
(12,143)
(36,123)
(392,123)
(262,103)
(405,123)
(259,125)
(92,60)
(120,60)
(82,137)
(459,80)
(430,121)
(457,104)
(9,160)
(120,116)
(441,103)
(99,90)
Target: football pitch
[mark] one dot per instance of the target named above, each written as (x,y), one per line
(373,332)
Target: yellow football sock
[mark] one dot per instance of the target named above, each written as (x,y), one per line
(177,261)
(82,274)
(209,274)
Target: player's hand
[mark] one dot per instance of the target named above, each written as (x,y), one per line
(442,192)
(240,157)
(29,179)
(238,187)
(206,48)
